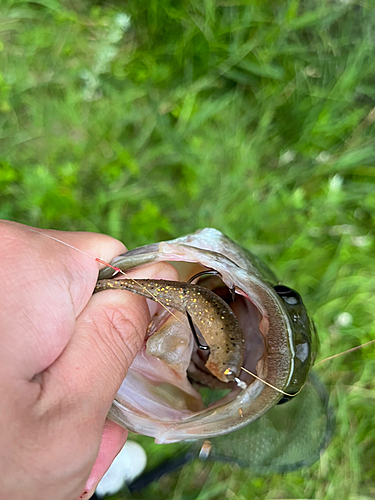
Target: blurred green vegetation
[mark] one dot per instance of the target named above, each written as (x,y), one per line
(148,120)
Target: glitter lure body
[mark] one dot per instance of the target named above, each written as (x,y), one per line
(210,313)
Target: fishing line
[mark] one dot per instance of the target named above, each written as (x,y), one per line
(345,352)
(53,238)
(270,385)
(117,269)
(316,364)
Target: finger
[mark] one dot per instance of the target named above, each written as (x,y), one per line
(109,333)
(47,286)
(113,440)
(82,252)
(48,257)
(78,388)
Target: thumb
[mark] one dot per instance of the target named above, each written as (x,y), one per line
(109,333)
(83,381)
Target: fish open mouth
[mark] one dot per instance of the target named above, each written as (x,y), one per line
(168,381)
(168,393)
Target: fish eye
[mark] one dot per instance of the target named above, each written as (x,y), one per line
(288,295)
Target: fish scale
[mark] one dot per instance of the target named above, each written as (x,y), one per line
(214,318)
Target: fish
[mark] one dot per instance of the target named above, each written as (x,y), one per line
(162,395)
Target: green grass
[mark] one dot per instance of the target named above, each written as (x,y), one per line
(253,117)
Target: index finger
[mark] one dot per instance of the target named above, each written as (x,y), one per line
(48,277)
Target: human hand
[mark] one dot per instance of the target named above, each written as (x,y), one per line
(63,356)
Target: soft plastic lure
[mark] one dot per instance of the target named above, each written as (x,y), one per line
(210,313)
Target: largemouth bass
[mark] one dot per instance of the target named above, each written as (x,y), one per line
(160,396)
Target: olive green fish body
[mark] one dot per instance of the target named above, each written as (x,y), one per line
(209,312)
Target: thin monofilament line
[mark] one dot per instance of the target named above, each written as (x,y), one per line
(345,352)
(270,385)
(171,313)
(316,364)
(106,264)
(52,238)
(64,243)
